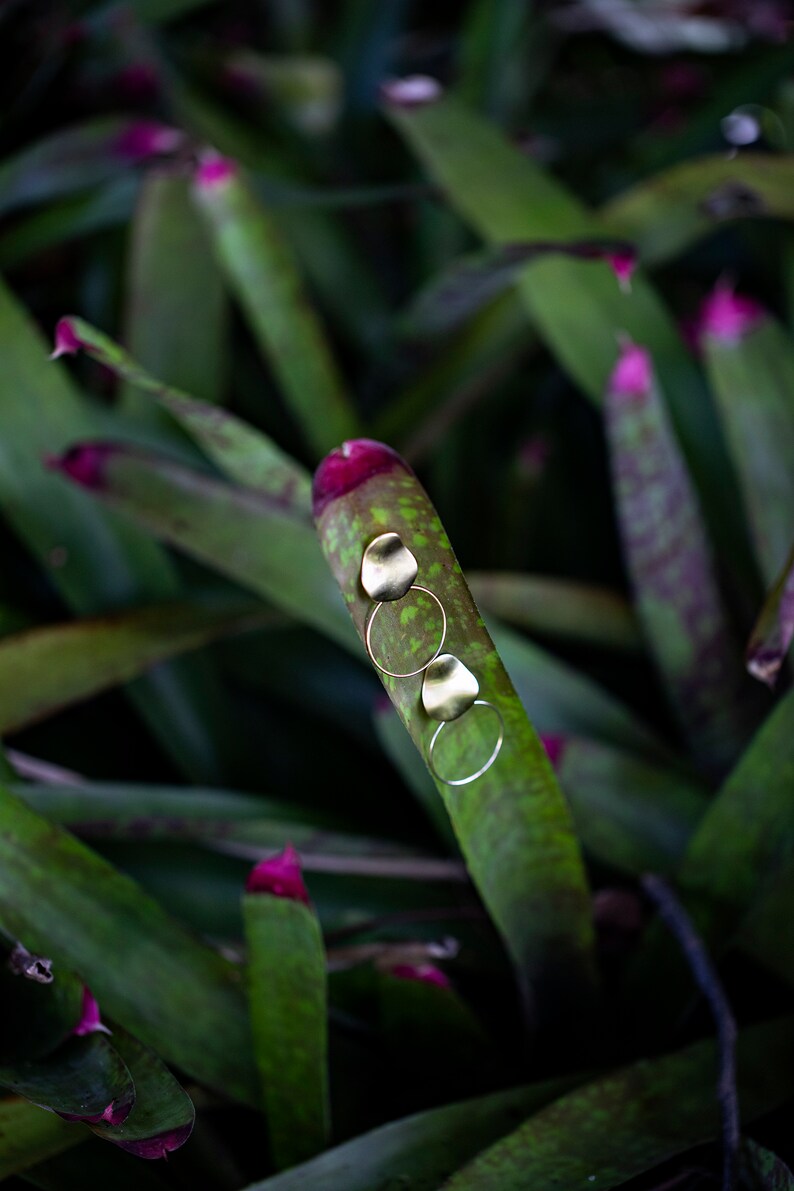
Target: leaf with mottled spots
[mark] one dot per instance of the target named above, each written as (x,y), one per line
(752,377)
(609,1131)
(671,564)
(241,452)
(512,823)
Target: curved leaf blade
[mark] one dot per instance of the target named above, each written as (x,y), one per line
(512,823)
(609,1131)
(287,991)
(44,670)
(172,990)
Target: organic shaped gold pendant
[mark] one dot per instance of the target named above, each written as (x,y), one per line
(449,688)
(388,569)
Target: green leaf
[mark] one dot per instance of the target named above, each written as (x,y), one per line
(747,831)
(96,563)
(246,535)
(752,378)
(512,823)
(173,992)
(68,219)
(162,1116)
(46,669)
(175,305)
(29,1135)
(241,452)
(419,1150)
(774,630)
(85,1077)
(263,276)
(465,371)
(632,814)
(665,214)
(577,612)
(576,306)
(604,1134)
(669,558)
(738,852)
(559,699)
(289,1019)
(764,1171)
(472,282)
(69,160)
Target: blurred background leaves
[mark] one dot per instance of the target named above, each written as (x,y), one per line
(245,248)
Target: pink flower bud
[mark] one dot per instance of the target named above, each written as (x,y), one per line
(90,1022)
(280,876)
(633,372)
(413,92)
(554,746)
(623,264)
(426,973)
(348,466)
(147,138)
(84,463)
(727,316)
(213,170)
(66,341)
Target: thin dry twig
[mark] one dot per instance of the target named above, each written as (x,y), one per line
(680,925)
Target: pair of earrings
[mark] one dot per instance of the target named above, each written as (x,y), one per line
(449,689)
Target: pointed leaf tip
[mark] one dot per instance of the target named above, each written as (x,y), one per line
(67,342)
(623,263)
(728,316)
(84,463)
(90,1021)
(631,376)
(147,138)
(412,92)
(159,1146)
(554,746)
(279,876)
(213,170)
(425,973)
(348,466)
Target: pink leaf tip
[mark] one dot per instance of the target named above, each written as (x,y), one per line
(633,373)
(554,746)
(160,1145)
(84,463)
(426,973)
(623,263)
(727,316)
(213,170)
(348,466)
(147,138)
(66,341)
(90,1021)
(412,92)
(280,876)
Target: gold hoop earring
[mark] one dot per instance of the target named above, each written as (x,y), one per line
(388,571)
(472,777)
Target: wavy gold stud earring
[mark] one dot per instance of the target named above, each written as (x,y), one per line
(449,691)
(388,571)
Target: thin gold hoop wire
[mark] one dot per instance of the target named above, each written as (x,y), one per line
(464,781)
(371,621)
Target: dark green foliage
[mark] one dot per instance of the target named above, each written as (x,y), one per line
(247,240)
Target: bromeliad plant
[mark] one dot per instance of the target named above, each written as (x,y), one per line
(243,922)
